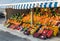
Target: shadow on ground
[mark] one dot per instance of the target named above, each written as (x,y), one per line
(5,36)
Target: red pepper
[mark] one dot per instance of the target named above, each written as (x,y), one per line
(44,32)
(18,28)
(49,34)
(36,34)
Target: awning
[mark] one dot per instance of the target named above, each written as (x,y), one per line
(37,4)
(31,4)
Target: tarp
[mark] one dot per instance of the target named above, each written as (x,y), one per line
(27,4)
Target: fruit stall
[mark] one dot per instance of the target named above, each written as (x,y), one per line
(42,20)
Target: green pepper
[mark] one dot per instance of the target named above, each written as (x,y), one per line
(25,28)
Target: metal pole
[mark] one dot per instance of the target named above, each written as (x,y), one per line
(31,17)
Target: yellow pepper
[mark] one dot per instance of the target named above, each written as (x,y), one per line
(32,31)
(56,30)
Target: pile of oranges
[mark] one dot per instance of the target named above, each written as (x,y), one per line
(27,18)
(46,20)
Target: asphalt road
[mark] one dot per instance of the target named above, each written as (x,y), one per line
(5,36)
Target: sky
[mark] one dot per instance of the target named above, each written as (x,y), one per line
(18,1)
(14,1)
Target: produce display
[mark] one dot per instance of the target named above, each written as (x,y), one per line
(46,22)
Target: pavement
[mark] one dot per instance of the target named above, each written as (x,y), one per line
(6,36)
(12,35)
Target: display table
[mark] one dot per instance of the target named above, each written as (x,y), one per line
(20,34)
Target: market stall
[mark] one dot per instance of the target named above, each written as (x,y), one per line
(42,20)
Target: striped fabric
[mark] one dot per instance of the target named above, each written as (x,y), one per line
(32,5)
